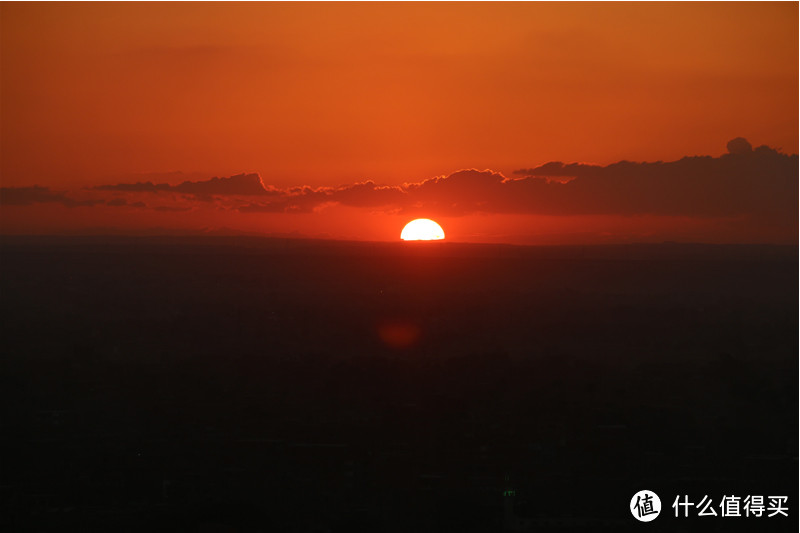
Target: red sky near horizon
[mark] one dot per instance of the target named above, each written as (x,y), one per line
(318,98)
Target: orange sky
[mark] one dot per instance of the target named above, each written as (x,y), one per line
(330,94)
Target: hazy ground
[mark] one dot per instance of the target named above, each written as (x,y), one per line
(238,384)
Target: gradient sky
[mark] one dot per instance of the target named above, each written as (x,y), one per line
(325,95)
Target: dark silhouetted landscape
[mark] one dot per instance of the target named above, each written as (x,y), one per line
(246,384)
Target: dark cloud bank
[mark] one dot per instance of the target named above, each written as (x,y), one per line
(241,184)
(759,182)
(40,195)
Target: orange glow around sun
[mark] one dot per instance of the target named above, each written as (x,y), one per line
(422,229)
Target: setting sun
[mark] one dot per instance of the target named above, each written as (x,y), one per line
(422,229)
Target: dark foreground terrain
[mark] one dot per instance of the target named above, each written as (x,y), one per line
(236,384)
